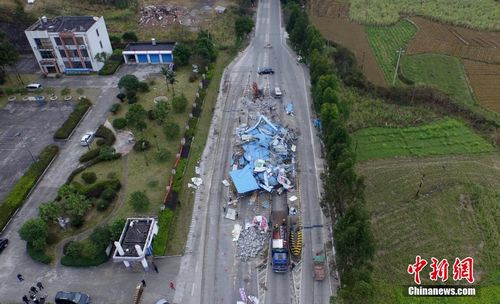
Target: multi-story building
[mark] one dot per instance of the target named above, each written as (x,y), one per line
(69,44)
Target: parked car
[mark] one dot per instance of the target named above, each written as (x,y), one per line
(33,86)
(64,297)
(3,244)
(265,71)
(268,46)
(87,138)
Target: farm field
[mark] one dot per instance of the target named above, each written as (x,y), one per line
(386,40)
(480,14)
(445,137)
(485,81)
(443,72)
(434,37)
(455,214)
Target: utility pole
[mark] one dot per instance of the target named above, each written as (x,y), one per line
(400,52)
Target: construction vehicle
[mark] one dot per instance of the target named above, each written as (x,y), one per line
(319,266)
(279,240)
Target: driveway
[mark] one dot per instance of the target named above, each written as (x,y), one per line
(25,129)
(110,281)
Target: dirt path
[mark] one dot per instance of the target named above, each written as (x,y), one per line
(117,206)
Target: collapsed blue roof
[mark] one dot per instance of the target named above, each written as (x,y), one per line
(243,179)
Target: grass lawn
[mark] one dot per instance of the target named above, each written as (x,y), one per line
(480,14)
(386,40)
(444,137)
(443,72)
(456,214)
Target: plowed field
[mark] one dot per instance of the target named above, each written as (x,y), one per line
(485,81)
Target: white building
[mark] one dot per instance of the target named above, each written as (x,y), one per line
(69,44)
(149,52)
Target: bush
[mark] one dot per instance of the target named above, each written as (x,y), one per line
(129,82)
(108,194)
(74,118)
(165,220)
(107,153)
(179,103)
(171,130)
(103,204)
(151,115)
(112,63)
(38,255)
(89,177)
(141,145)
(107,134)
(163,155)
(119,123)
(96,190)
(129,37)
(89,155)
(100,142)
(19,192)
(83,254)
(131,97)
(193,77)
(179,173)
(115,108)
(143,87)
(139,201)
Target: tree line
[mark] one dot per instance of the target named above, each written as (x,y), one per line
(343,190)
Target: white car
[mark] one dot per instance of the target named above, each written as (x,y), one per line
(268,46)
(87,139)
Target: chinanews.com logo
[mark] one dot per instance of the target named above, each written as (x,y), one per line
(463,269)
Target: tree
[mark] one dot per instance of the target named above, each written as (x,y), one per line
(49,211)
(205,47)
(101,57)
(116,228)
(181,54)
(129,82)
(74,249)
(169,77)
(65,190)
(179,103)
(119,123)
(171,130)
(129,37)
(161,111)
(243,25)
(139,201)
(76,206)
(136,117)
(320,65)
(121,96)
(107,153)
(101,236)
(35,232)
(8,55)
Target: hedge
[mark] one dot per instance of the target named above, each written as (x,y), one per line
(165,219)
(74,118)
(106,134)
(21,189)
(98,188)
(89,155)
(37,255)
(84,262)
(112,63)
(179,173)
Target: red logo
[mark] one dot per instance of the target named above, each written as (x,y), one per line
(416,268)
(462,269)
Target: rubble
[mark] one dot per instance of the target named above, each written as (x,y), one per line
(163,15)
(250,242)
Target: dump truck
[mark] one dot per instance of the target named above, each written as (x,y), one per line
(319,266)
(279,240)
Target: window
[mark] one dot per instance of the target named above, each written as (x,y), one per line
(58,40)
(80,41)
(38,43)
(100,42)
(77,64)
(97,32)
(84,53)
(68,41)
(66,65)
(62,53)
(46,54)
(88,64)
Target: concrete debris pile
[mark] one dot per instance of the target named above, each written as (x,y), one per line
(163,15)
(263,158)
(250,242)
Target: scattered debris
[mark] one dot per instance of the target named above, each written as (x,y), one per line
(165,15)
(225,183)
(231,214)
(292,198)
(197,181)
(251,240)
(236,232)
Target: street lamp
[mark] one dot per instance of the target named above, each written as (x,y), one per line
(26,146)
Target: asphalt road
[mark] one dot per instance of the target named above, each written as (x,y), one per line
(210,272)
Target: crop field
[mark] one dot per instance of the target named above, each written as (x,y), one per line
(443,207)
(445,137)
(386,40)
(434,37)
(485,81)
(479,14)
(443,72)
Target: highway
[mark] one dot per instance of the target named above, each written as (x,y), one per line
(210,271)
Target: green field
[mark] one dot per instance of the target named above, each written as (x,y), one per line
(386,40)
(445,137)
(443,72)
(455,214)
(479,14)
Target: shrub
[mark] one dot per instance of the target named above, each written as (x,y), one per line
(116,228)
(103,204)
(131,97)
(139,201)
(179,173)
(115,108)
(179,103)
(151,115)
(129,37)
(129,82)
(193,77)
(96,190)
(165,220)
(38,255)
(171,130)
(108,194)
(74,118)
(107,153)
(89,155)
(89,177)
(119,123)
(35,231)
(163,155)
(143,87)
(100,142)
(83,254)
(65,91)
(106,134)
(19,192)
(141,145)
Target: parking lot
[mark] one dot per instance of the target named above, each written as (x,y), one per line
(25,129)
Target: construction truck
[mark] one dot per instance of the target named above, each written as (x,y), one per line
(319,266)
(279,240)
